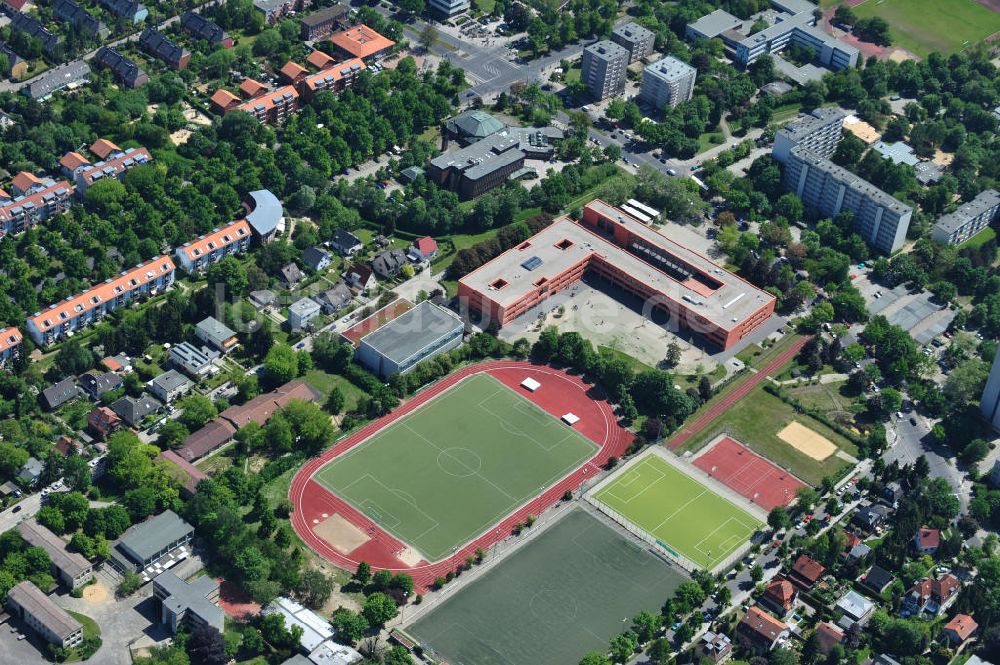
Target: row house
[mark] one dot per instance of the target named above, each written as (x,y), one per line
(61,319)
(32,27)
(127,9)
(80,18)
(201,28)
(35,200)
(153,41)
(85,173)
(124,69)
(233,238)
(10,344)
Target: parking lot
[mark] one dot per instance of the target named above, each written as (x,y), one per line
(916,313)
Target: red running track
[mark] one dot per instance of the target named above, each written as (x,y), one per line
(735,395)
(739,468)
(560,393)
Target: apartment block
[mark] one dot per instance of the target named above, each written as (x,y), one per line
(117,164)
(188,604)
(26,601)
(70,567)
(10,344)
(36,201)
(879,218)
(449,8)
(667,82)
(233,238)
(334,78)
(989,405)
(272,107)
(603,69)
(77,312)
(322,23)
(820,132)
(637,40)
(969,219)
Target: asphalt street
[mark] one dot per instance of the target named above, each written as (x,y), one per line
(909,441)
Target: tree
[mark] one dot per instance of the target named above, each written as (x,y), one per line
(429,37)
(595,658)
(253,642)
(547,345)
(673,355)
(965,382)
(844,16)
(782,656)
(379,608)
(778,518)
(364,573)
(756,573)
(205,645)
(197,410)
(874,29)
(335,401)
(12,458)
(623,646)
(73,358)
(316,588)
(645,625)
(231,273)
(131,582)
(808,497)
(351,626)
(281,364)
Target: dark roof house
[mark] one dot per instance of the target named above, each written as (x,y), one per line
(33,28)
(130,9)
(200,27)
(59,393)
(345,243)
(389,263)
(80,18)
(96,383)
(878,579)
(134,409)
(153,42)
(316,258)
(335,299)
(124,69)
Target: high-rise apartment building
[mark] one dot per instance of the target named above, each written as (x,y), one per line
(603,69)
(667,82)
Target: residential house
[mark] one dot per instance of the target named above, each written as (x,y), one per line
(855,609)
(780,597)
(156,44)
(216,334)
(320,60)
(423,249)
(201,28)
(717,647)
(222,101)
(302,312)
(345,243)
(188,604)
(66,446)
(30,472)
(170,386)
(65,76)
(892,492)
(103,422)
(274,10)
(360,277)
(133,410)
(362,42)
(317,258)
(334,78)
(870,517)
(335,299)
(119,364)
(27,602)
(193,361)
(324,22)
(856,549)
(932,596)
(10,344)
(16,65)
(263,299)
(197,255)
(128,9)
(291,275)
(927,540)
(959,629)
(878,579)
(33,28)
(124,69)
(806,572)
(96,383)
(80,19)
(69,567)
(292,72)
(828,636)
(760,632)
(59,393)
(388,263)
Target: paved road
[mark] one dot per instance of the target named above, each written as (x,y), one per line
(29,506)
(910,441)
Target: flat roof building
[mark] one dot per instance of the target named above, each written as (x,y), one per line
(879,218)
(417,335)
(819,131)
(264,214)
(45,617)
(70,567)
(637,40)
(188,604)
(713,25)
(215,333)
(969,219)
(143,545)
(697,293)
(449,8)
(194,361)
(603,69)
(667,82)
(989,405)
(301,312)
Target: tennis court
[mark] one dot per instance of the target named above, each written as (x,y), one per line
(443,474)
(561,595)
(678,510)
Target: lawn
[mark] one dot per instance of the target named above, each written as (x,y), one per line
(756,420)
(326,382)
(440,476)
(925,26)
(90,631)
(684,516)
(980,239)
(559,596)
(609,353)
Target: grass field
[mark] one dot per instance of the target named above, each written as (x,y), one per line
(925,26)
(561,595)
(679,511)
(440,476)
(980,239)
(757,419)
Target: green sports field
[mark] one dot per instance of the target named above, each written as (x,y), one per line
(559,596)
(438,477)
(925,26)
(679,511)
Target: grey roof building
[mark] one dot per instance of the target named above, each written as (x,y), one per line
(170,386)
(56,79)
(989,404)
(300,313)
(389,262)
(335,299)
(291,275)
(58,394)
(134,409)
(193,361)
(879,218)
(156,44)
(70,567)
(200,27)
(33,28)
(216,334)
(125,70)
(264,214)
(80,18)
(969,219)
(263,298)
(419,334)
(31,471)
(144,544)
(819,131)
(189,604)
(667,82)
(712,25)
(345,243)
(898,152)
(316,258)
(471,126)
(637,40)
(48,619)
(603,69)
(95,383)
(856,609)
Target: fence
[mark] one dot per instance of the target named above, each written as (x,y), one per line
(658,545)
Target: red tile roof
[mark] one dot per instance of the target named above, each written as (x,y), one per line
(782,593)
(190,474)
(9,338)
(269,99)
(260,408)
(963,626)
(73,160)
(223,100)
(929,538)
(103,147)
(426,245)
(319,60)
(763,624)
(361,41)
(252,88)
(24,181)
(39,198)
(227,235)
(829,636)
(293,71)
(118,164)
(808,569)
(336,72)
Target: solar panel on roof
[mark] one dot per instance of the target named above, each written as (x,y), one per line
(531,263)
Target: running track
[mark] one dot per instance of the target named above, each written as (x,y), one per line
(735,395)
(559,394)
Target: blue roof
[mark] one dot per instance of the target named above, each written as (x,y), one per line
(266,213)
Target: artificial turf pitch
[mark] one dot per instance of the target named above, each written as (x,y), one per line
(679,511)
(562,594)
(438,477)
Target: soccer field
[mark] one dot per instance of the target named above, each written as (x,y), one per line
(679,511)
(557,597)
(925,26)
(438,477)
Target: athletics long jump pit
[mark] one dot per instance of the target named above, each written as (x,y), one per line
(453,469)
(741,469)
(806,441)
